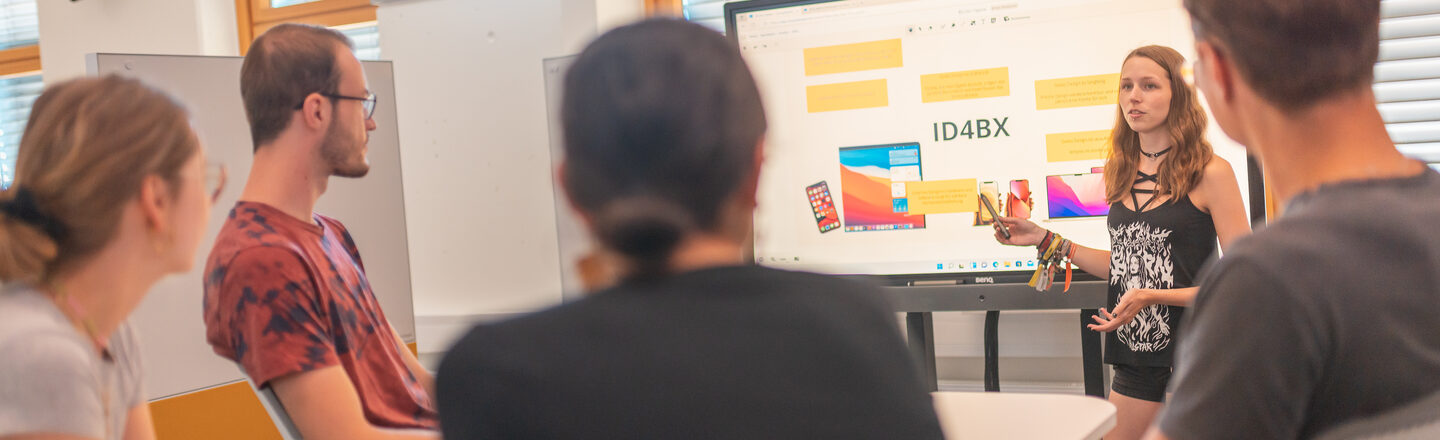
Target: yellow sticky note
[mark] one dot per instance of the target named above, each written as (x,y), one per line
(1081,145)
(1080,91)
(942,196)
(969,84)
(884,54)
(847,96)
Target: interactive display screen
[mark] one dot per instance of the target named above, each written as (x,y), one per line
(910,109)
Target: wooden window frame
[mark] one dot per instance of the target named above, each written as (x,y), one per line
(20,60)
(254,17)
(663,8)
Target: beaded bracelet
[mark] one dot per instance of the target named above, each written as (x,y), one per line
(1052,251)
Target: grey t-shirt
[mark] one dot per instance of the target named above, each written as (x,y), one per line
(1330,314)
(52,380)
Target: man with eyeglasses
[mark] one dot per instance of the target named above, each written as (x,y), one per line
(286,294)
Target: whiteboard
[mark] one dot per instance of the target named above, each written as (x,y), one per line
(574,241)
(170,321)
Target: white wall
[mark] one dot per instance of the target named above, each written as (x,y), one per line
(218,31)
(474,144)
(69,30)
(610,14)
(474,148)
(472,125)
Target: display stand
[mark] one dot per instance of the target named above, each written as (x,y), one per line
(918,302)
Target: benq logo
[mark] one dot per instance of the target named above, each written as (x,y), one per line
(984,280)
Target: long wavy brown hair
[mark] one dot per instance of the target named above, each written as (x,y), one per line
(1184,165)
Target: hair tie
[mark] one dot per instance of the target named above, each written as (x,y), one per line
(23,208)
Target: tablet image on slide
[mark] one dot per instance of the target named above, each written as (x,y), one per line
(870,202)
(1076,195)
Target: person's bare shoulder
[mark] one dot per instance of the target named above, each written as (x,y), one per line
(1217,168)
(1216,178)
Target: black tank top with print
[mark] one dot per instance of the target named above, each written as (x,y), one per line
(1162,248)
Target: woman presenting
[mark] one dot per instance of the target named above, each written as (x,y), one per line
(1171,199)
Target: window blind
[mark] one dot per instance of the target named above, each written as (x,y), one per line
(19,23)
(19,26)
(366,37)
(710,13)
(284,3)
(1407,77)
(17,93)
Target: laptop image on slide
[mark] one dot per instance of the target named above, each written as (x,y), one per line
(871,203)
(1076,196)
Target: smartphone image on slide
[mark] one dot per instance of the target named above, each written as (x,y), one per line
(1019,203)
(826,217)
(982,217)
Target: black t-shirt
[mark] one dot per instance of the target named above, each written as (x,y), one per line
(723,353)
(1163,248)
(1330,314)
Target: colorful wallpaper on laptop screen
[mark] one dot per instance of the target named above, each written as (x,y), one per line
(865,177)
(1077,195)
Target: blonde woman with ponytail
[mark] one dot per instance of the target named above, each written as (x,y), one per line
(112,193)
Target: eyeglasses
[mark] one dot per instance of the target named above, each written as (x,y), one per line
(368,102)
(215,181)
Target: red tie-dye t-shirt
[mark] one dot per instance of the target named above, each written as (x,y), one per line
(285,296)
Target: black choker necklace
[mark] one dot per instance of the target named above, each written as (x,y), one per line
(1157,154)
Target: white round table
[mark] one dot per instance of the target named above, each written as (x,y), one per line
(1022,416)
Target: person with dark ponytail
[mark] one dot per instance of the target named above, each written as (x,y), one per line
(111,194)
(663,126)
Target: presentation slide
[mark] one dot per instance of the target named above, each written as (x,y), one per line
(889,120)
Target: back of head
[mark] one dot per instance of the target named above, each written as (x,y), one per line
(661,119)
(282,67)
(1294,53)
(88,145)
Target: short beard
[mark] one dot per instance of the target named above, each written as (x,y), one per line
(334,152)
